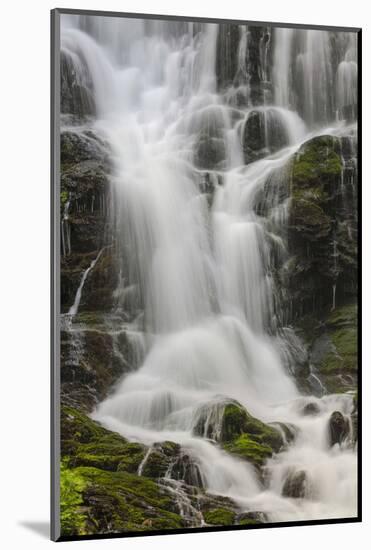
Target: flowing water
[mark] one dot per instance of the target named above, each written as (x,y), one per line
(212,317)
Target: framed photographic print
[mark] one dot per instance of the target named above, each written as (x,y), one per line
(205,281)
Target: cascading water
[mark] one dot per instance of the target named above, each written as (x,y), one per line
(211,313)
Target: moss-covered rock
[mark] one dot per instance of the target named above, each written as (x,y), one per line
(238,422)
(322,231)
(251,518)
(219,516)
(114,502)
(238,432)
(86,443)
(249,448)
(334,349)
(159,459)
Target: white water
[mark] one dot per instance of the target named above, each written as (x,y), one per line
(203,276)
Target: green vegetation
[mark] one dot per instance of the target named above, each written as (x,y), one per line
(342,325)
(317,161)
(100,491)
(94,500)
(250,449)
(72,515)
(219,516)
(237,421)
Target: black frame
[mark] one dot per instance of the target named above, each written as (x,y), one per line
(55,276)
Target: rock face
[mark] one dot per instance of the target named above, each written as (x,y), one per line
(320,273)
(93,356)
(322,231)
(77,97)
(254,66)
(339,428)
(90,361)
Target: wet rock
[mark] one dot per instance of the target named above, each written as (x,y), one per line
(295,484)
(219,516)
(310,409)
(209,127)
(186,469)
(239,433)
(251,518)
(264,132)
(333,348)
(100,285)
(210,153)
(290,431)
(322,228)
(161,457)
(339,428)
(78,146)
(90,365)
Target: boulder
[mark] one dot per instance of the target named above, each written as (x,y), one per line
(310,409)
(339,428)
(295,484)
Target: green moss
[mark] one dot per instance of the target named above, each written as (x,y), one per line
(89,444)
(249,521)
(344,315)
(250,449)
(316,161)
(137,503)
(315,169)
(73,517)
(342,326)
(96,501)
(237,421)
(100,491)
(64,198)
(156,465)
(344,357)
(219,516)
(110,456)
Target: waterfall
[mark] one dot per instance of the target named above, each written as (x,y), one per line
(187,184)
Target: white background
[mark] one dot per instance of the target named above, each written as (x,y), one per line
(24,272)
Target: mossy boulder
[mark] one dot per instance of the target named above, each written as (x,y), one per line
(219,516)
(238,422)
(249,448)
(238,432)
